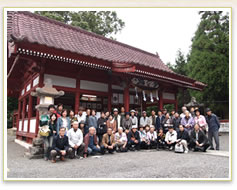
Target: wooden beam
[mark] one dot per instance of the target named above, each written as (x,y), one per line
(13,66)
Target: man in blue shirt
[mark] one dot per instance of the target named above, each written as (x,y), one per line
(213,128)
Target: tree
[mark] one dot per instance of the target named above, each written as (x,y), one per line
(180,67)
(105,23)
(208,60)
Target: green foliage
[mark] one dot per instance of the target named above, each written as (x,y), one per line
(104,23)
(12,105)
(208,60)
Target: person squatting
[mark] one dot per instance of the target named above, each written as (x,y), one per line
(83,134)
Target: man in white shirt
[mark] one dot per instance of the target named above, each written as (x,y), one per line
(81,116)
(134,118)
(121,140)
(144,120)
(152,137)
(75,138)
(170,138)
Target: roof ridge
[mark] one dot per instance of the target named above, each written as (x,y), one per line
(77,28)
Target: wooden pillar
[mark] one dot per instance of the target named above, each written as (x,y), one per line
(77,102)
(37,119)
(126,99)
(110,97)
(160,102)
(18,116)
(29,112)
(23,113)
(176,102)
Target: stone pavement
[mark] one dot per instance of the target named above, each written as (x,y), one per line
(142,164)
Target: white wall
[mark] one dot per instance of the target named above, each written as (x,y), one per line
(61,81)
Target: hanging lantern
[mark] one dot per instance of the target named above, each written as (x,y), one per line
(144,95)
(136,93)
(151,97)
(157,96)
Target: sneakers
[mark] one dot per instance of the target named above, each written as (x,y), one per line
(186,152)
(53,161)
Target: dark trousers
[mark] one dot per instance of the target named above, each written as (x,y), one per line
(79,150)
(170,145)
(144,145)
(198,148)
(103,149)
(119,147)
(153,144)
(132,145)
(215,135)
(161,144)
(55,153)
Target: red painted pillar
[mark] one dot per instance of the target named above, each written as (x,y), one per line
(160,99)
(77,102)
(176,102)
(126,99)
(23,113)
(37,119)
(110,98)
(18,116)
(29,112)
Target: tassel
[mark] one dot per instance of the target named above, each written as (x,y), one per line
(151,97)
(136,93)
(144,95)
(157,96)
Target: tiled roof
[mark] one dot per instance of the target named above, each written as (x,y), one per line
(44,31)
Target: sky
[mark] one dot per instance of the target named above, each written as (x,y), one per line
(159,30)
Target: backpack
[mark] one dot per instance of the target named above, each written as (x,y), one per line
(179,148)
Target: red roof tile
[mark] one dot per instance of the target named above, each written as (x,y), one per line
(44,31)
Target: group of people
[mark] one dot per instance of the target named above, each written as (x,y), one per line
(82,134)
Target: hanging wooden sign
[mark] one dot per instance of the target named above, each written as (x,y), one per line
(145,84)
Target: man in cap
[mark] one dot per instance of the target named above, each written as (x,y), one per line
(134,118)
(144,120)
(75,139)
(127,122)
(134,139)
(117,118)
(213,128)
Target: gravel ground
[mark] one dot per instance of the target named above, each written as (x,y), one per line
(142,164)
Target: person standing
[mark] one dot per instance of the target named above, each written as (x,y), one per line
(75,138)
(166,123)
(63,121)
(88,114)
(122,116)
(60,146)
(144,119)
(201,120)
(81,116)
(111,123)
(176,121)
(59,109)
(127,122)
(152,118)
(159,120)
(213,128)
(134,118)
(102,127)
(117,119)
(187,122)
(93,120)
(72,116)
